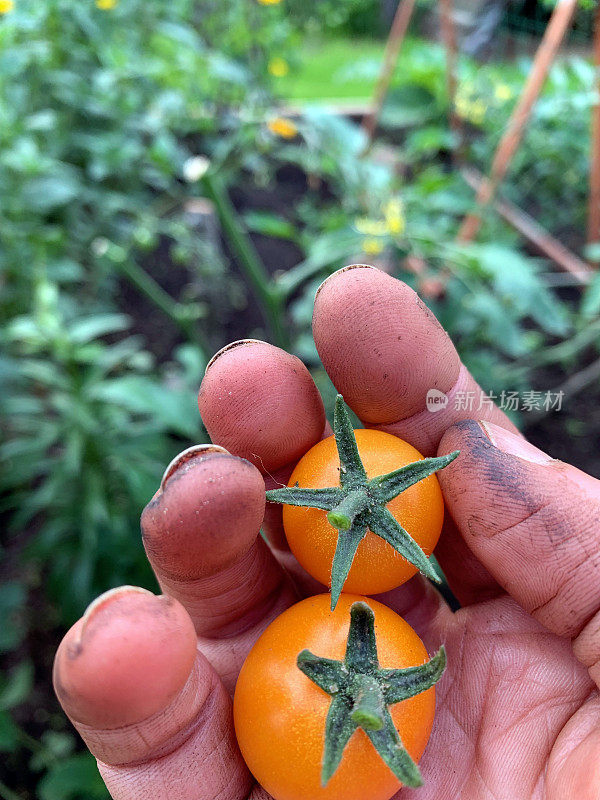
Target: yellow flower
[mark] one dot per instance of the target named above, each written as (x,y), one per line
(372,246)
(269,2)
(503,92)
(478,110)
(394,216)
(106,5)
(471,110)
(462,107)
(282,127)
(6,6)
(370,227)
(278,67)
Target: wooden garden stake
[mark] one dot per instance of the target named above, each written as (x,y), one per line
(509,143)
(392,50)
(594,198)
(449,38)
(533,232)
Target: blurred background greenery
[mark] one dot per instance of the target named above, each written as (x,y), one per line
(177,175)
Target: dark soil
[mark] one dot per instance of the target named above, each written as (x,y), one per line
(227,321)
(573,433)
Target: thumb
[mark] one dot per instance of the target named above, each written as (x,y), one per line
(533,523)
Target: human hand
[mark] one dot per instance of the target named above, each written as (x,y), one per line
(145,679)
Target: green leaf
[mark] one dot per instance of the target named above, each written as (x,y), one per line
(12,602)
(225,69)
(50,192)
(87,328)
(184,35)
(592,251)
(72,778)
(407,107)
(384,524)
(361,648)
(339,727)
(43,120)
(270,225)
(516,278)
(590,305)
(352,470)
(9,733)
(345,550)
(173,410)
(391,484)
(324,498)
(328,674)
(389,746)
(64,270)
(15,689)
(322,251)
(55,745)
(410,681)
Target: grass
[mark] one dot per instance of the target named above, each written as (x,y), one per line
(335,69)
(346,69)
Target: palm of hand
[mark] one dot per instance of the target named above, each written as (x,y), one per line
(517,709)
(514,704)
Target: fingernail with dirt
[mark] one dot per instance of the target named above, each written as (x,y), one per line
(183,459)
(513,444)
(229,347)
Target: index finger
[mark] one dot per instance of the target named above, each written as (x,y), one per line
(385,352)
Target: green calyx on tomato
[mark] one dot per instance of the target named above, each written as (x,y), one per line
(361,692)
(359,504)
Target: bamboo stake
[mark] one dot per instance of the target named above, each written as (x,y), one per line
(533,232)
(392,50)
(449,38)
(511,139)
(594,199)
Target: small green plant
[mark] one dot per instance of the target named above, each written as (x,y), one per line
(87,431)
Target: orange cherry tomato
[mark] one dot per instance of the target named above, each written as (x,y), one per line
(377,567)
(280,713)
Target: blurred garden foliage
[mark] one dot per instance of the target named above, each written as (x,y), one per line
(119,121)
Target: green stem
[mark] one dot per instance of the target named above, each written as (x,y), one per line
(342,516)
(368,708)
(162,300)
(267,295)
(570,347)
(444,587)
(293,279)
(29,742)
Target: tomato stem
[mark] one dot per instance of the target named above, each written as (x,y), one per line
(361,693)
(368,707)
(342,516)
(359,504)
